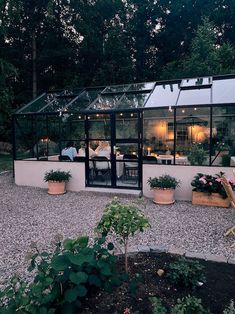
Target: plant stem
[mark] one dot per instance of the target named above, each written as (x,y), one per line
(126,260)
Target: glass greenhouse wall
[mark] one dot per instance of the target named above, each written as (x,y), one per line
(182,122)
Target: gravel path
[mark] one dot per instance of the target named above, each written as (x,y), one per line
(31,215)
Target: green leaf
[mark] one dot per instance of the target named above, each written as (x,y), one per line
(78,277)
(83,241)
(68,244)
(81,291)
(71,295)
(95,280)
(60,263)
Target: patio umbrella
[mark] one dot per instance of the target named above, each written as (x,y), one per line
(192,120)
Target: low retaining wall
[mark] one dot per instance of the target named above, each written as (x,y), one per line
(183,173)
(31,173)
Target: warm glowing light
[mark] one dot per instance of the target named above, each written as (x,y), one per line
(195,109)
(183,111)
(132,114)
(149,151)
(121,114)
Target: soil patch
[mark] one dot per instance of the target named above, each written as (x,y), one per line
(215,294)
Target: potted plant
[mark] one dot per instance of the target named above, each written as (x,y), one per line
(163,188)
(197,155)
(208,190)
(56,181)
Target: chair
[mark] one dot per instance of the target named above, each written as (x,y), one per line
(149,160)
(101,168)
(79,159)
(43,158)
(64,158)
(230,193)
(130,167)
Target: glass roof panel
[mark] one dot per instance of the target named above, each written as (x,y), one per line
(194,97)
(116,88)
(163,95)
(196,82)
(35,105)
(141,86)
(132,101)
(84,99)
(57,104)
(104,102)
(223,91)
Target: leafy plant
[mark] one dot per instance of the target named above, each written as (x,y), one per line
(197,155)
(57,175)
(164,182)
(230,309)
(225,160)
(189,305)
(221,147)
(123,221)
(186,272)
(210,184)
(62,279)
(158,308)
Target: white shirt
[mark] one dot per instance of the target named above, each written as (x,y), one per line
(70,151)
(82,152)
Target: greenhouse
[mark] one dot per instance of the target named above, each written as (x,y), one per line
(167,126)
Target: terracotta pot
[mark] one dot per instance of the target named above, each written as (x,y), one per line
(213,199)
(163,196)
(56,188)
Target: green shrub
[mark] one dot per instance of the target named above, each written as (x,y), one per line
(225,160)
(197,155)
(158,308)
(63,279)
(186,272)
(230,309)
(189,305)
(57,175)
(123,221)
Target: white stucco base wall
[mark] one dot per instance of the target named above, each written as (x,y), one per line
(31,173)
(183,173)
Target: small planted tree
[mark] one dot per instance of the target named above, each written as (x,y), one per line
(123,221)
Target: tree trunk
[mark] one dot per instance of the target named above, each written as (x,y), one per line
(34,58)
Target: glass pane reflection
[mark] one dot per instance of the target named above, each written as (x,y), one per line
(133,100)
(223,91)
(194,97)
(163,95)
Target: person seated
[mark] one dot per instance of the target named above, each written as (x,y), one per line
(82,151)
(103,149)
(69,150)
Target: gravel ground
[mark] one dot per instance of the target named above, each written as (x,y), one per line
(31,215)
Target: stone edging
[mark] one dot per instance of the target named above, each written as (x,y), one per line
(182,252)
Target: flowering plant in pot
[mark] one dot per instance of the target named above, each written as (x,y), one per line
(163,187)
(208,190)
(56,181)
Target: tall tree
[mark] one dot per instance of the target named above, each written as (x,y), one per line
(205,56)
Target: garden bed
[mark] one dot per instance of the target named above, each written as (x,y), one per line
(215,294)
